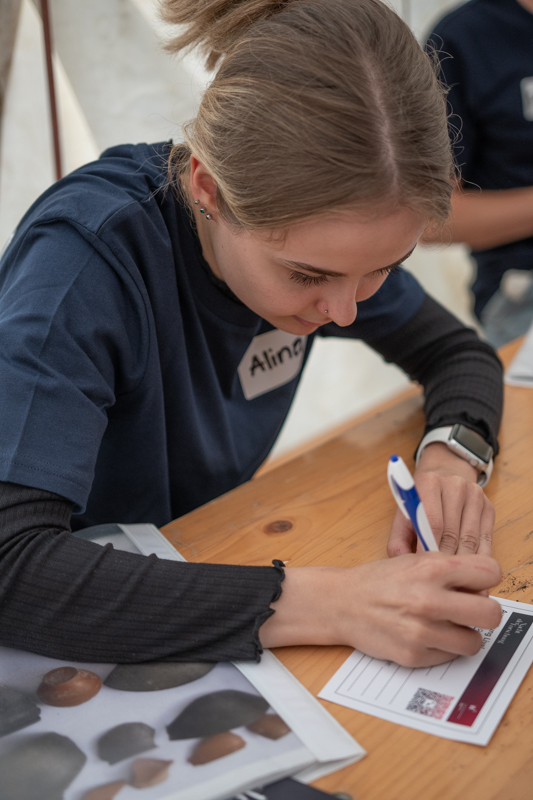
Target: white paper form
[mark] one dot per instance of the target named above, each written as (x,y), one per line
(520,370)
(463,699)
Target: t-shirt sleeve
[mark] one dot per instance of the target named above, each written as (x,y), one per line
(69,328)
(454,73)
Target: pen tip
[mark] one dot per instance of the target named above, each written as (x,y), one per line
(394,458)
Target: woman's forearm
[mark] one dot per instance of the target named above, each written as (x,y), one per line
(64,597)
(72,599)
(485,219)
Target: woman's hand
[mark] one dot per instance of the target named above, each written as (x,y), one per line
(417,610)
(460,515)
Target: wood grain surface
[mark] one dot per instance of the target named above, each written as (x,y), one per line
(332,505)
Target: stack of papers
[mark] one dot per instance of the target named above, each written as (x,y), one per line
(163,731)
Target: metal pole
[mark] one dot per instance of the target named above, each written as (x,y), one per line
(47,25)
(9,14)
(406,11)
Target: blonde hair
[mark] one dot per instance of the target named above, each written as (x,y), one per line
(317,105)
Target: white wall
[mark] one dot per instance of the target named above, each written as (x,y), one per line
(115,84)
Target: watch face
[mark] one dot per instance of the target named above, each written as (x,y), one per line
(473,442)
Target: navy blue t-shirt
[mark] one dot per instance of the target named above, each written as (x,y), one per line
(119,360)
(487,61)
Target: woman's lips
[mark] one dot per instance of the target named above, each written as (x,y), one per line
(308,324)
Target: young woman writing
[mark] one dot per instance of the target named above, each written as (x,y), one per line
(153,337)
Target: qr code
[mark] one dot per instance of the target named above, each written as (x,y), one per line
(428,703)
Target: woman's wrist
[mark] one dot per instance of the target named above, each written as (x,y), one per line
(308,610)
(437,457)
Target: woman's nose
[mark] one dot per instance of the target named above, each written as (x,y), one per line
(341,309)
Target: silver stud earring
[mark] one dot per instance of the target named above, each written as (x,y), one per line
(325,311)
(208,216)
(196,202)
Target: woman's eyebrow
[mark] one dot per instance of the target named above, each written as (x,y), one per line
(331,274)
(318,270)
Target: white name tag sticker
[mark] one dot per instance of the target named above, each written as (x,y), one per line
(526,85)
(272,359)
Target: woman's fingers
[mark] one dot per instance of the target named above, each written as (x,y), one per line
(460,515)
(402,538)
(449,638)
(486,529)
(441,588)
(477,521)
(471,573)
(471,610)
(419,610)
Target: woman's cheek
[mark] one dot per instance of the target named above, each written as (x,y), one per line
(369,286)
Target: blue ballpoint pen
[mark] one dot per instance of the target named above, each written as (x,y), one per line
(404,491)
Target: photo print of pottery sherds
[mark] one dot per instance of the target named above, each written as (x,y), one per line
(124,741)
(217,712)
(145,773)
(106,792)
(68,686)
(214,747)
(271,726)
(102,733)
(17,711)
(149,772)
(211,718)
(155,676)
(40,768)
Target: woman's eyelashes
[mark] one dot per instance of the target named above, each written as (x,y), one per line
(320,280)
(387,270)
(308,280)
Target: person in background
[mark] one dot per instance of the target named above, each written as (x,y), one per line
(485,49)
(157,308)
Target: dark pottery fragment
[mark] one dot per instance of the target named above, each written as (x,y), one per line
(269,725)
(124,741)
(68,686)
(218,746)
(149,772)
(16,711)
(106,792)
(152,677)
(215,713)
(40,768)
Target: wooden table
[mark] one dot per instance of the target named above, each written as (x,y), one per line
(332,505)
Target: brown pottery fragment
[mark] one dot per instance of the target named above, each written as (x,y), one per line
(269,725)
(40,768)
(149,772)
(68,686)
(215,713)
(124,741)
(154,676)
(16,711)
(218,746)
(106,792)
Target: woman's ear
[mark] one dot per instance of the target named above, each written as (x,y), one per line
(203,185)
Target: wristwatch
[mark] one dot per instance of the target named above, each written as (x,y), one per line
(464,443)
